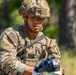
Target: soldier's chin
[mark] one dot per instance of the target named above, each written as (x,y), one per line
(33,31)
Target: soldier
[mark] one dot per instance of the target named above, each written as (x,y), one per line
(21,46)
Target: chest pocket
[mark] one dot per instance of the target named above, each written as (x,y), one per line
(30,57)
(33,54)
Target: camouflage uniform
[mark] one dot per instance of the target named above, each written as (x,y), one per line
(13,40)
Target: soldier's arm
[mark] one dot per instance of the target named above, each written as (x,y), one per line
(9,61)
(54,51)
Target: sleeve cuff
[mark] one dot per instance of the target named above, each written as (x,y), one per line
(22,69)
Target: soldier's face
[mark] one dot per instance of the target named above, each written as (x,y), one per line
(35,23)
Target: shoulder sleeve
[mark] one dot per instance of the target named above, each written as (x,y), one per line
(8,39)
(53,48)
(8,53)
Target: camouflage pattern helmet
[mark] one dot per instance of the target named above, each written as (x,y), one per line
(35,8)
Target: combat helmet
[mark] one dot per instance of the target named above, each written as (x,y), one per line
(35,8)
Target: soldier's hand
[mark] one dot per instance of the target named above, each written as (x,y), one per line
(28,70)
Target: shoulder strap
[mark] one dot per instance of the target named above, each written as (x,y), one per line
(37,39)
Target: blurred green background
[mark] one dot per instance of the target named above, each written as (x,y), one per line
(61,26)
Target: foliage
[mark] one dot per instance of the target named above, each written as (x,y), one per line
(68,61)
(53,3)
(0,10)
(12,7)
(16,18)
(51,31)
(12,10)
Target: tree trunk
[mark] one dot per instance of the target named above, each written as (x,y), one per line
(67,25)
(75,21)
(3,18)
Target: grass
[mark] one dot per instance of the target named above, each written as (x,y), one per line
(68,61)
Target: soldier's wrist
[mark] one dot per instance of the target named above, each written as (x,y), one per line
(28,70)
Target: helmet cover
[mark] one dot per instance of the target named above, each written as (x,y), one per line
(35,8)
